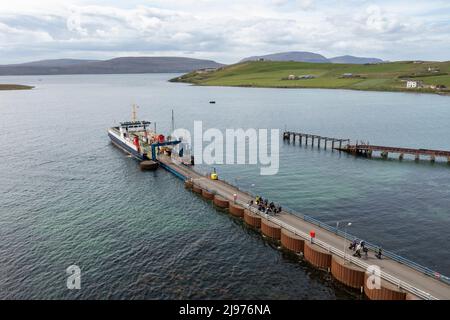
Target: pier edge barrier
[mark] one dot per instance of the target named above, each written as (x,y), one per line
(347,273)
(252,219)
(292,242)
(317,256)
(196,189)
(386,292)
(270,229)
(207,195)
(221,202)
(236,210)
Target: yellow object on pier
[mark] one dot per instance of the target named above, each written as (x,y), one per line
(214,176)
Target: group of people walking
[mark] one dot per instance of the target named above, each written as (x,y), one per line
(360,246)
(265,206)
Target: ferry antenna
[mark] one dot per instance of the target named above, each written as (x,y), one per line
(173,122)
(134,112)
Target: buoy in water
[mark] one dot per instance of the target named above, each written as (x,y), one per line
(149,165)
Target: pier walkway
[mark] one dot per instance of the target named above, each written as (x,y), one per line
(368,150)
(289,136)
(393,273)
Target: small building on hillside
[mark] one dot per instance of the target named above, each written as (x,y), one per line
(292,77)
(438,87)
(351,76)
(306,77)
(414,84)
(433,69)
(206,70)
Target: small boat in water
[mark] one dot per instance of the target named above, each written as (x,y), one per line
(212,102)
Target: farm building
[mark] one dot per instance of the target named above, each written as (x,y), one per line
(413,84)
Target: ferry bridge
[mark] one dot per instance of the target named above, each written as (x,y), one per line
(326,249)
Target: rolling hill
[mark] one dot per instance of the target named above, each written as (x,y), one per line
(302,56)
(112,66)
(276,74)
(354,60)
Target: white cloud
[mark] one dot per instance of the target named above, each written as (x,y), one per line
(225,30)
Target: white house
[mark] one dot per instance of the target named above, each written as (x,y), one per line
(413,84)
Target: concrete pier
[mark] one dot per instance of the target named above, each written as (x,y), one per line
(398,278)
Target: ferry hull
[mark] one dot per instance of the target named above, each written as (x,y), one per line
(120,144)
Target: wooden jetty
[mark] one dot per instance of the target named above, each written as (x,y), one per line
(368,150)
(289,136)
(321,246)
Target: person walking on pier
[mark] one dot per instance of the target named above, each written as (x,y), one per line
(353,244)
(378,254)
(358,251)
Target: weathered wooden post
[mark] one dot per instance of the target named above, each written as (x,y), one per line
(326,140)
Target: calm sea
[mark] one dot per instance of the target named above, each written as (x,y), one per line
(69,197)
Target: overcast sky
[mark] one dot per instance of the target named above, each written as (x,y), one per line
(223,30)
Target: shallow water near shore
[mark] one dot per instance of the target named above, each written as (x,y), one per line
(70,197)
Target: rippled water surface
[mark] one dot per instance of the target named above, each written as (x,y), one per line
(69,197)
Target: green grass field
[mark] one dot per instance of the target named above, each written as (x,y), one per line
(379,77)
(14,87)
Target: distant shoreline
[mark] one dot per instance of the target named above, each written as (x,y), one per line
(314,88)
(15,87)
(429,78)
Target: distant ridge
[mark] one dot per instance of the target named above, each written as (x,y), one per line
(54,63)
(354,60)
(302,56)
(112,66)
(299,56)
